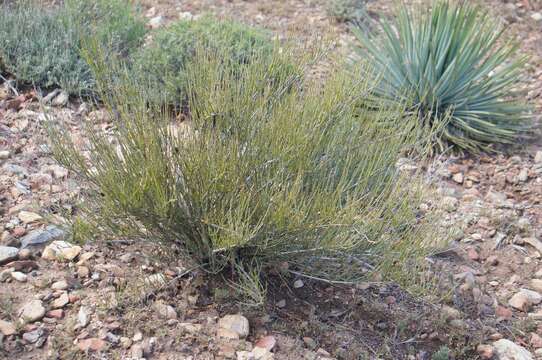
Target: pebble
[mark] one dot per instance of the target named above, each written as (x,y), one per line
(267,342)
(458,178)
(7,254)
(7,328)
(61,250)
(19,276)
(91,344)
(60,285)
(61,99)
(524,299)
(42,236)
(538,157)
(83,317)
(536,17)
(507,350)
(165,311)
(536,285)
(29,217)
(156,22)
(237,324)
(298,284)
(61,301)
(32,311)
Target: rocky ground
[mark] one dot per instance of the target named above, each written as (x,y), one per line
(119,300)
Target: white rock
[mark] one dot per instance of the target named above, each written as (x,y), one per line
(8,253)
(61,250)
(60,285)
(235,323)
(4,154)
(298,284)
(82,317)
(536,16)
(507,350)
(19,276)
(538,157)
(156,22)
(32,311)
(29,217)
(524,299)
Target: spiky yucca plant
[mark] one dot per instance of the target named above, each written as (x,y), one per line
(260,175)
(452,65)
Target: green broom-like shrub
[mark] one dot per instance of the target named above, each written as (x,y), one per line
(161,64)
(41,45)
(257,175)
(451,65)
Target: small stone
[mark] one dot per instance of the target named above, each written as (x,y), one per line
(61,99)
(39,237)
(29,217)
(84,258)
(165,311)
(60,285)
(34,336)
(7,254)
(7,328)
(538,157)
(191,328)
(536,17)
(473,254)
(138,336)
(148,346)
(449,203)
(83,271)
(523,175)
(156,22)
(4,154)
(24,254)
(236,323)
(91,344)
(125,342)
(267,342)
(524,299)
(57,314)
(507,350)
(259,353)
(83,317)
(227,334)
(458,178)
(486,352)
(503,313)
(61,301)
(32,311)
(19,276)
(61,250)
(298,284)
(281,303)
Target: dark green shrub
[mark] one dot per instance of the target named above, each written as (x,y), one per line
(347,10)
(162,63)
(41,45)
(259,175)
(451,65)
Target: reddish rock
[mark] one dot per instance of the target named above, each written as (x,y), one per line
(267,342)
(503,312)
(473,254)
(57,314)
(92,344)
(485,351)
(19,231)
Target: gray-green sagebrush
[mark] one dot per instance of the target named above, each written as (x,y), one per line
(257,174)
(41,45)
(451,64)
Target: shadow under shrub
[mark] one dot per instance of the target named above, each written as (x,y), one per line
(257,175)
(161,65)
(41,45)
(455,69)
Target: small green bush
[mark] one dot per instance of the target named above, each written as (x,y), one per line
(259,175)
(451,65)
(162,63)
(41,45)
(347,10)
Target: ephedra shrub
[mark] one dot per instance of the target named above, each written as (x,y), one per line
(303,174)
